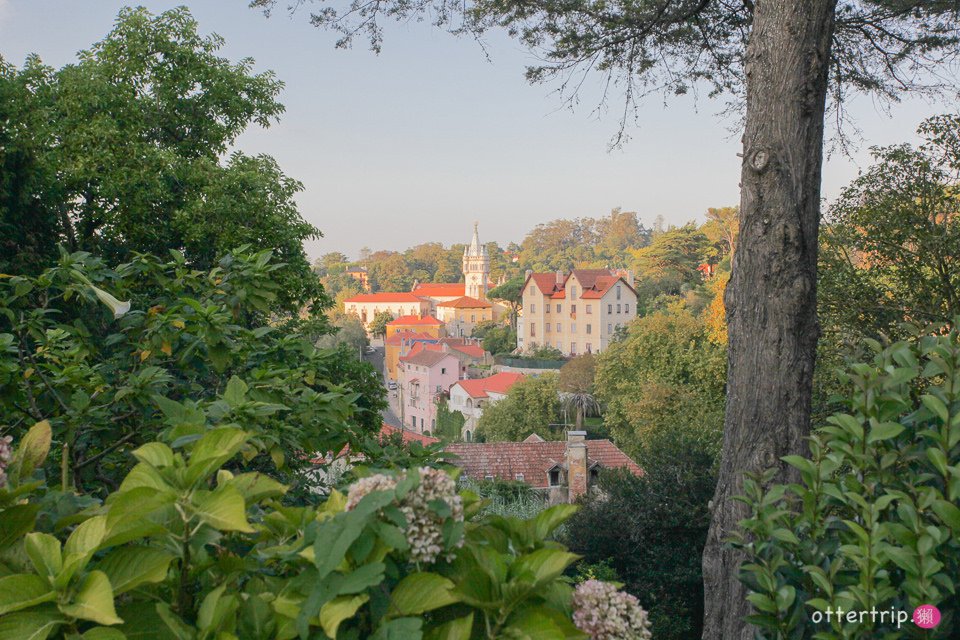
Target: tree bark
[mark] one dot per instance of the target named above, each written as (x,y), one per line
(771,299)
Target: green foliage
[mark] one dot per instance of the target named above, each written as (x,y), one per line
(196,349)
(122,153)
(650,531)
(378,326)
(665,374)
(891,250)
(531,406)
(873,522)
(187,549)
(543,352)
(449,423)
(498,339)
(348,331)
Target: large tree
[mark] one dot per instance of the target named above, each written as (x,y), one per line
(781,59)
(125,151)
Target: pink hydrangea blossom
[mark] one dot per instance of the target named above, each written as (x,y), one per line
(606,613)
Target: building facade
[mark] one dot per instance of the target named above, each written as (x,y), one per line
(425,375)
(367,305)
(476,268)
(576,312)
(461,315)
(471,397)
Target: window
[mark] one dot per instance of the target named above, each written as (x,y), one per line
(473,317)
(421,423)
(573,292)
(609,308)
(554,477)
(618,292)
(548,327)
(413,421)
(589,348)
(442,370)
(433,423)
(589,329)
(618,307)
(558,328)
(533,308)
(488,477)
(518,477)
(626,308)
(546,308)
(558,307)
(573,348)
(573,309)
(469,437)
(573,328)
(533,330)
(589,308)
(609,328)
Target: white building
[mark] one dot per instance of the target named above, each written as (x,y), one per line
(470,397)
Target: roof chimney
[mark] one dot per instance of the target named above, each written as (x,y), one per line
(576,454)
(559,277)
(527,274)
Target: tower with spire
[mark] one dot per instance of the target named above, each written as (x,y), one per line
(476,268)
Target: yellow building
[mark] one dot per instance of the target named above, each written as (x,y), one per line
(462,314)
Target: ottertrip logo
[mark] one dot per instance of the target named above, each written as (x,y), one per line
(926,616)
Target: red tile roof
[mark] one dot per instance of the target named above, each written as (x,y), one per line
(385,297)
(415,320)
(440,289)
(471,350)
(594,283)
(408,436)
(409,336)
(466,302)
(426,358)
(504,460)
(497,383)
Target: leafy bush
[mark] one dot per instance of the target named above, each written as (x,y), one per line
(185,350)
(873,522)
(186,549)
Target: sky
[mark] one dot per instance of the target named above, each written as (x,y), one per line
(416,144)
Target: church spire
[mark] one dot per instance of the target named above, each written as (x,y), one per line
(476,249)
(476,267)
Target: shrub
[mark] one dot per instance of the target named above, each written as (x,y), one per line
(873,522)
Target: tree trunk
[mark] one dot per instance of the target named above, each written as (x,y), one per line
(771,299)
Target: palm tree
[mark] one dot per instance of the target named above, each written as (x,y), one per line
(583,403)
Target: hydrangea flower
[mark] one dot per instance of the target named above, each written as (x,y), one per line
(424,531)
(6,454)
(606,613)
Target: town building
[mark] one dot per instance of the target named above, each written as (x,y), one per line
(360,275)
(424,376)
(561,470)
(462,314)
(367,305)
(476,268)
(471,397)
(576,312)
(422,324)
(400,344)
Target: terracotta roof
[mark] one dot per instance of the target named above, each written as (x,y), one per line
(407,435)
(441,289)
(546,282)
(385,297)
(497,383)
(409,336)
(426,358)
(414,320)
(594,283)
(466,302)
(533,459)
(472,350)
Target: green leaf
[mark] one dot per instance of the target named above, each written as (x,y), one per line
(885,431)
(458,629)
(543,564)
(129,567)
(257,486)
(144,475)
(341,608)
(216,609)
(156,454)
(212,450)
(549,519)
(236,392)
(104,633)
(176,628)
(538,624)
(256,619)
(421,592)
(23,590)
(15,522)
(938,458)
(36,624)
(949,513)
(94,601)
(400,629)
(936,406)
(800,463)
(33,449)
(44,553)
(222,509)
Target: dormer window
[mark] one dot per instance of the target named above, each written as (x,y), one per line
(554,477)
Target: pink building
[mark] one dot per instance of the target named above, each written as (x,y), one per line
(424,375)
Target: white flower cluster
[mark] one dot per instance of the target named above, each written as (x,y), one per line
(424,526)
(606,613)
(6,454)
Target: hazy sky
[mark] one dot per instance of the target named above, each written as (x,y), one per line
(415,144)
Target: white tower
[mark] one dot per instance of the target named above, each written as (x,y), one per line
(476,268)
